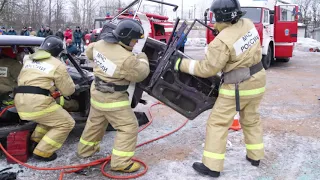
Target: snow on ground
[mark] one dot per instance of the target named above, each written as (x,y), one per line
(196,42)
(304,44)
(290,112)
(197,38)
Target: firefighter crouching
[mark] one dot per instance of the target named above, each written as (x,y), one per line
(41,75)
(10,66)
(236,51)
(115,67)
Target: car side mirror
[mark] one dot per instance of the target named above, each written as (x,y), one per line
(271,18)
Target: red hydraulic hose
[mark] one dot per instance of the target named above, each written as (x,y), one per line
(5,109)
(103,161)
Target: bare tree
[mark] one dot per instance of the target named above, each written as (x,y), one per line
(3,4)
(59,17)
(315,9)
(36,13)
(18,13)
(75,12)
(50,12)
(304,5)
(84,11)
(91,12)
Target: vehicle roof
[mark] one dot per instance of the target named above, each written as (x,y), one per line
(10,40)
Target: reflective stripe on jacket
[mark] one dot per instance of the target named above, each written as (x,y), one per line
(42,70)
(236,46)
(115,64)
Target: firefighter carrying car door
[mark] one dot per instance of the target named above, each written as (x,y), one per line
(41,75)
(115,67)
(236,51)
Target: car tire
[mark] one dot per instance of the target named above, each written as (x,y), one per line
(267,59)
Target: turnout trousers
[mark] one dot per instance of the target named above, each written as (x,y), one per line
(126,124)
(218,124)
(51,132)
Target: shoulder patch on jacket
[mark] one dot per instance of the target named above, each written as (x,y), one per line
(40,55)
(38,65)
(3,72)
(246,41)
(105,64)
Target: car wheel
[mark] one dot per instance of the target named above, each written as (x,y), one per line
(267,59)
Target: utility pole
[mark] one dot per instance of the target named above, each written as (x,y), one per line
(182,10)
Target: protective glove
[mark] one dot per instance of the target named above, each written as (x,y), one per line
(81,88)
(77,87)
(142,56)
(176,61)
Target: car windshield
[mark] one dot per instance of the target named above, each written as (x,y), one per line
(99,23)
(252,13)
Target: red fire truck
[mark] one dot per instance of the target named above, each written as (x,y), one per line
(277,24)
(161,28)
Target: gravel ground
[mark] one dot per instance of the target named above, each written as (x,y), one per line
(290,113)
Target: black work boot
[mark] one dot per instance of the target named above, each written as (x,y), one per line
(201,168)
(253,162)
(51,158)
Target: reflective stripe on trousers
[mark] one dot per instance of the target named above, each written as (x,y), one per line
(122,153)
(38,133)
(41,130)
(110,105)
(213,155)
(51,142)
(39,113)
(88,143)
(254,146)
(231,92)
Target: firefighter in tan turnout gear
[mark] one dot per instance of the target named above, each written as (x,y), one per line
(41,75)
(235,51)
(115,67)
(10,66)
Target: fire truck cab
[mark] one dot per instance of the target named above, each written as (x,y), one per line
(277,24)
(161,28)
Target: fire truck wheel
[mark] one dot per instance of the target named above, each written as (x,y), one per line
(267,59)
(283,60)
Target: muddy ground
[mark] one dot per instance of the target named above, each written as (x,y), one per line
(290,112)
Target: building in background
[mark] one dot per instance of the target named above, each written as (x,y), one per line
(302,30)
(316,34)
